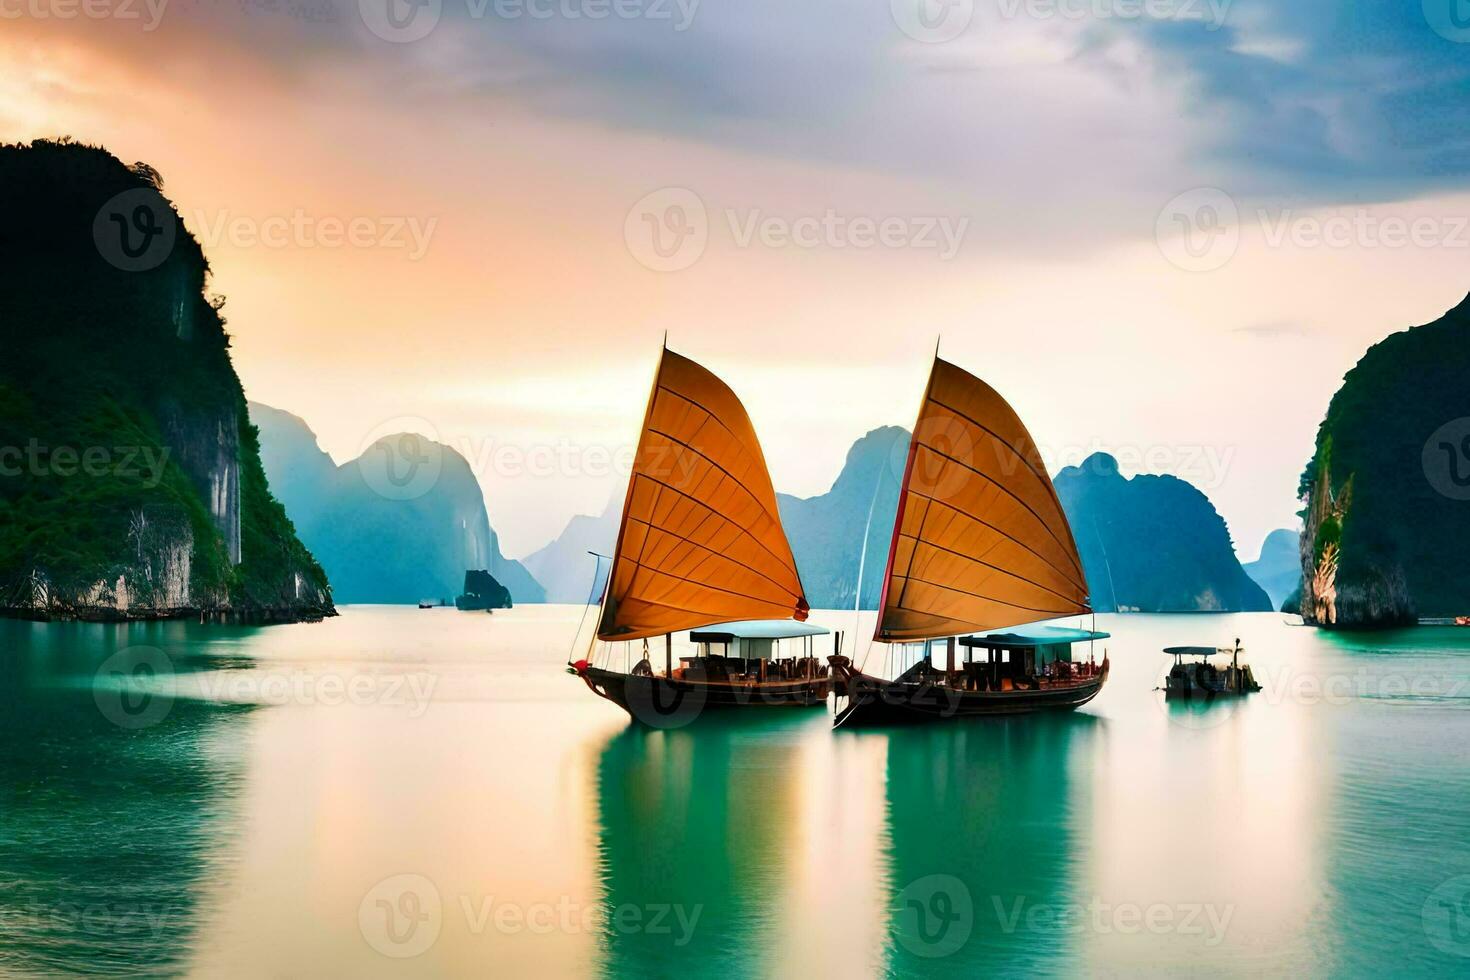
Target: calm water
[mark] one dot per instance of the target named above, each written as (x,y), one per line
(424,793)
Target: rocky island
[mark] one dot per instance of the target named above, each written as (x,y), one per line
(1387,519)
(131,485)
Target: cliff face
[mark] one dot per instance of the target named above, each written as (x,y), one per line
(402,522)
(1152,543)
(130,483)
(1387,492)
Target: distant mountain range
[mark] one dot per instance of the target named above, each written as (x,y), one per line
(402,522)
(564,568)
(1279,569)
(827,531)
(1150,543)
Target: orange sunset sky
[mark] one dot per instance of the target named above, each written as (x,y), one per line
(1072,156)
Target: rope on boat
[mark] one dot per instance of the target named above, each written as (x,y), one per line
(591,592)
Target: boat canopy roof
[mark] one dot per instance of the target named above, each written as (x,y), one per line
(755,629)
(1197,651)
(1034,636)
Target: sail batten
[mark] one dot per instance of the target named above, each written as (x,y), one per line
(701,540)
(997,550)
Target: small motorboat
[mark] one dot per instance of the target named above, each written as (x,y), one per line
(1201,678)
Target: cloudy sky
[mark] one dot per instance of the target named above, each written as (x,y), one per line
(1162,228)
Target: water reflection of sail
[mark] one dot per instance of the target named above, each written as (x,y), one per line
(696,831)
(106,832)
(984,841)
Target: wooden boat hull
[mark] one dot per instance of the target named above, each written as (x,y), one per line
(662,702)
(876,702)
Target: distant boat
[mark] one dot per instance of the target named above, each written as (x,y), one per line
(980,542)
(700,547)
(1202,679)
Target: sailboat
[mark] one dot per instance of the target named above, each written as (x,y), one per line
(700,547)
(980,542)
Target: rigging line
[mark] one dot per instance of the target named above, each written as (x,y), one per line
(1009,537)
(857,599)
(591,591)
(1106,564)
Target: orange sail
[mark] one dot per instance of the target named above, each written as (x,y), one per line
(980,540)
(701,540)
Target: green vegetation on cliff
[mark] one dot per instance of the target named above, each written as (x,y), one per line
(1388,488)
(130,476)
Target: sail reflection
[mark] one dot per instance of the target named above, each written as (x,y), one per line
(985,837)
(698,829)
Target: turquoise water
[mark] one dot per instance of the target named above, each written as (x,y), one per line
(425,793)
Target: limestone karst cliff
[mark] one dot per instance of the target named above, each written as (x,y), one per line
(1387,492)
(130,477)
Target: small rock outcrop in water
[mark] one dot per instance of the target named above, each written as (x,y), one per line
(1152,543)
(130,477)
(402,521)
(1279,569)
(481,591)
(1387,521)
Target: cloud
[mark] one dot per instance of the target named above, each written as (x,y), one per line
(1274,330)
(1328,100)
